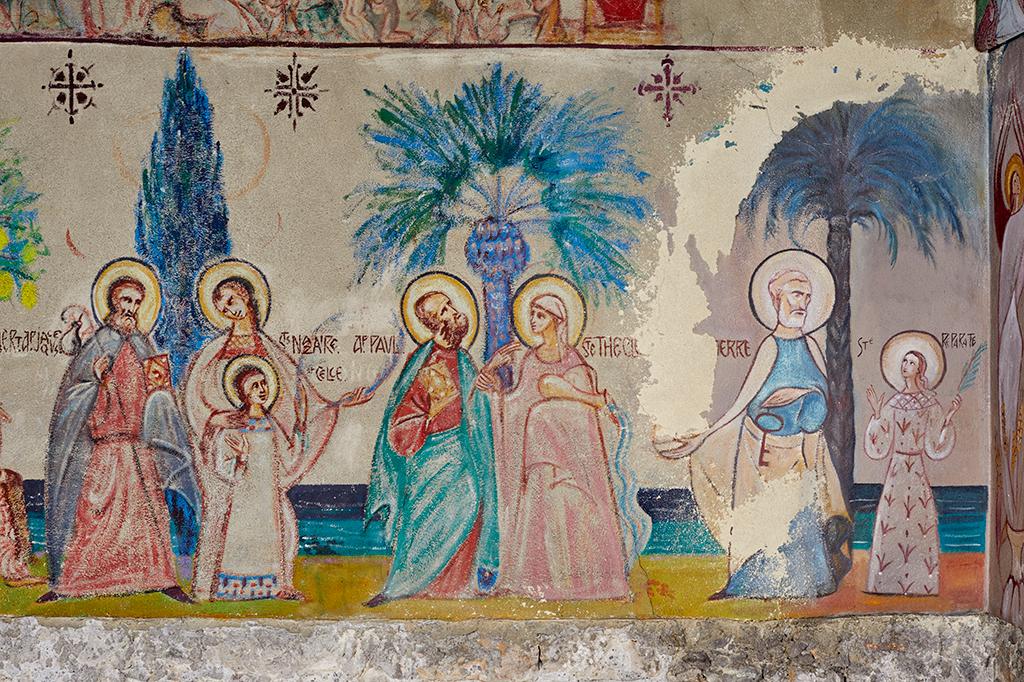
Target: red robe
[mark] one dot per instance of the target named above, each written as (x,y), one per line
(121,541)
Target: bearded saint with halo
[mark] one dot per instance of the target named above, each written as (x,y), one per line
(432,477)
(762,475)
(114,448)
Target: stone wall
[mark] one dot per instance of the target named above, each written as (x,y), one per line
(967,647)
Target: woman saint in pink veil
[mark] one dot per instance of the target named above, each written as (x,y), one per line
(561,531)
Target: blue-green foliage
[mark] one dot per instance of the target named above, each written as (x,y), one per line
(20,240)
(884,167)
(181,215)
(569,174)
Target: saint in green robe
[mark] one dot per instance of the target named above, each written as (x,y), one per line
(439,501)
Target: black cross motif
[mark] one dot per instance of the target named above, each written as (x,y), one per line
(295,90)
(74,88)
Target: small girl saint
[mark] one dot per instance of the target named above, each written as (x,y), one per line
(260,462)
(908,429)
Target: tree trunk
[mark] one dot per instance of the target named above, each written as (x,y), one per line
(497,311)
(497,252)
(840,428)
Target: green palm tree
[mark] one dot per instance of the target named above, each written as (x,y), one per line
(503,162)
(884,168)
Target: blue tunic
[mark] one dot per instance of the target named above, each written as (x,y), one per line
(803,567)
(794,368)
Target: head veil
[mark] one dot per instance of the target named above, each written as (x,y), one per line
(555,307)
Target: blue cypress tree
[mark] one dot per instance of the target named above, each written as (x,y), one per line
(181,215)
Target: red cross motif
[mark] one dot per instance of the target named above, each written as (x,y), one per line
(667,87)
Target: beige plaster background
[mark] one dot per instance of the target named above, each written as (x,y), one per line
(296,224)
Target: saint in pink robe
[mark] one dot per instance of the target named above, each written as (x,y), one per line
(561,536)
(121,541)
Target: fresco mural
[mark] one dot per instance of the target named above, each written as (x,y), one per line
(1007,130)
(477,337)
(376,22)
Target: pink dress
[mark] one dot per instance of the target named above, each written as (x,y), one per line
(561,536)
(121,542)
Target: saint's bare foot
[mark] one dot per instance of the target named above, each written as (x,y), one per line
(290,594)
(48,597)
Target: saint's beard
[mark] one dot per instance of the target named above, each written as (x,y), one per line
(453,332)
(791,320)
(122,322)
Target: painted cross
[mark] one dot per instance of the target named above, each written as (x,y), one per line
(74,88)
(667,87)
(295,90)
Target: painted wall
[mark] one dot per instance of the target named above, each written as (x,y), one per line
(672,344)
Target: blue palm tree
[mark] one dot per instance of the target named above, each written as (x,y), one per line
(503,161)
(882,167)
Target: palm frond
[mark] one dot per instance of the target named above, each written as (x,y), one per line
(501,148)
(885,167)
(971,369)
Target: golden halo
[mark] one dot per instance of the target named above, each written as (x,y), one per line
(451,286)
(548,285)
(1015,164)
(226,269)
(239,365)
(823,288)
(140,272)
(896,348)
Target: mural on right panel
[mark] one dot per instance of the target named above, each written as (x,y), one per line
(1007,130)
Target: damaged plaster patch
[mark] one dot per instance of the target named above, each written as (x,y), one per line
(740,111)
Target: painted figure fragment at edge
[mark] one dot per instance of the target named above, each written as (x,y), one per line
(1011,344)
(762,475)
(15,545)
(234,296)
(432,478)
(112,452)
(563,532)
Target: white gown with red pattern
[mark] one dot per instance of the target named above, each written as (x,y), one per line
(905,545)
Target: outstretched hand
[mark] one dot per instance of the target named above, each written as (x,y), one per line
(239,444)
(875,401)
(506,355)
(486,381)
(953,409)
(681,446)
